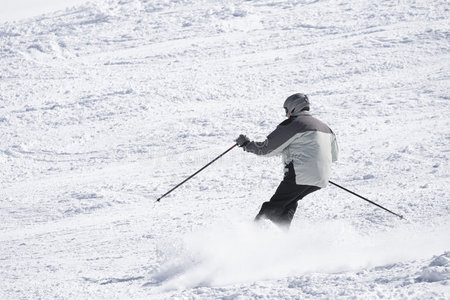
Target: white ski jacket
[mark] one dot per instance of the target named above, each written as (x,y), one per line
(306,142)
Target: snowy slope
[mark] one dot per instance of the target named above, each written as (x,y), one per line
(21,9)
(106,106)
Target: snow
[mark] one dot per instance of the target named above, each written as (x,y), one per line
(107,105)
(22,9)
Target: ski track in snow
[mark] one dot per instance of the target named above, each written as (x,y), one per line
(106,106)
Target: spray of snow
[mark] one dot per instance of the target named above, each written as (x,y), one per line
(239,252)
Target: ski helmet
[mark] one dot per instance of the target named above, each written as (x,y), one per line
(294,104)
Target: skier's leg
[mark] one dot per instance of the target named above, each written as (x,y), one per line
(285,194)
(281,207)
(269,211)
(289,211)
(286,217)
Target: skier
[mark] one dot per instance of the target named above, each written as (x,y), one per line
(308,148)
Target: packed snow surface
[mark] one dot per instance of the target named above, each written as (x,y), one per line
(21,9)
(106,106)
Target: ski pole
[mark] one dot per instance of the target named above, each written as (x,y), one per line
(157,200)
(400,216)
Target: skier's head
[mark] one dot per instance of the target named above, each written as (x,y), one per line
(296,103)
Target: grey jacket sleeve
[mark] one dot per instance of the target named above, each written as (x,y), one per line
(274,144)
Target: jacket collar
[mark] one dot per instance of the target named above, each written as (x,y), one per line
(302,113)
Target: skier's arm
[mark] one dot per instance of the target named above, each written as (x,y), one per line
(275,143)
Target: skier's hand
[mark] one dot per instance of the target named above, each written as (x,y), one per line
(242,140)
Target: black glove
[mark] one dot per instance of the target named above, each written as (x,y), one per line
(242,140)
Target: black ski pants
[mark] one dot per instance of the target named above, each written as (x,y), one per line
(283,204)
